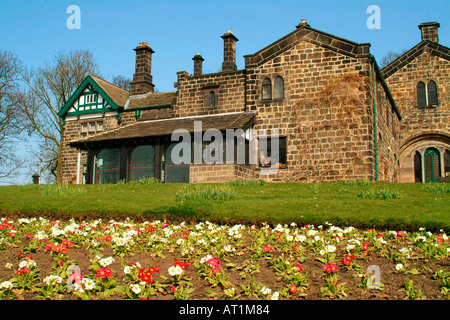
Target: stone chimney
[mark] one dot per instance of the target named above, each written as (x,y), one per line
(229,51)
(429,31)
(198,62)
(142,79)
(303,23)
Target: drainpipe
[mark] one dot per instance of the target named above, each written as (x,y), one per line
(375,135)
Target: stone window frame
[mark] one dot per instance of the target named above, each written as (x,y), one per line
(283,164)
(208,90)
(272,79)
(266,83)
(426,84)
(91,127)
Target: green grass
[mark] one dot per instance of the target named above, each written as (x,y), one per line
(412,206)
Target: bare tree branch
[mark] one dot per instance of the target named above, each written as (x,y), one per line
(49,89)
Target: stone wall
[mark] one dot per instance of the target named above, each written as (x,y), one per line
(421,126)
(326,140)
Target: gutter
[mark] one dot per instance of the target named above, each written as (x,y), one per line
(375,135)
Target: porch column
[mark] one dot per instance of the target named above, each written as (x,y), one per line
(78,166)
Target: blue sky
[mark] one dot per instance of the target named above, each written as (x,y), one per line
(177,30)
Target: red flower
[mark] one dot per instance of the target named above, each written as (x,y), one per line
(103,273)
(183,265)
(22,271)
(298,268)
(366,246)
(346,261)
(331,268)
(172,288)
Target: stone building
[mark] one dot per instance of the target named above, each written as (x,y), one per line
(309,107)
(419,81)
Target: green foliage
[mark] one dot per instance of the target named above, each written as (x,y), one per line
(246,183)
(199,192)
(62,190)
(382,194)
(436,187)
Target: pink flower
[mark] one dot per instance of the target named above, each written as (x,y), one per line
(293,289)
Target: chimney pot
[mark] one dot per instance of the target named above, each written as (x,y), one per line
(303,23)
(198,62)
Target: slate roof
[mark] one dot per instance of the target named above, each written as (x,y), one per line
(165,127)
(425,45)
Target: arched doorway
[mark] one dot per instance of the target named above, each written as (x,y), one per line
(432,162)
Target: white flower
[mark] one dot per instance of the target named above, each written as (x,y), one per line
(399,266)
(206,258)
(330,248)
(172,271)
(127,269)
(289,238)
(106,261)
(8,265)
(275,296)
(88,284)
(350,247)
(178,270)
(136,288)
(265,291)
(6,285)
(180,241)
(420,238)
(52,279)
(300,238)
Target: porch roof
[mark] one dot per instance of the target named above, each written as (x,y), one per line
(165,127)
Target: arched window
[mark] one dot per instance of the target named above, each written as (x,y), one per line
(212,100)
(107,166)
(421,95)
(432,165)
(432,93)
(267,89)
(141,163)
(279,88)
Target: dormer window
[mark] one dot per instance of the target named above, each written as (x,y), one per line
(90,98)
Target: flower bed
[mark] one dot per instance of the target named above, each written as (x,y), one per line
(52,259)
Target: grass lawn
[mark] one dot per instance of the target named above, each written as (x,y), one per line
(359,204)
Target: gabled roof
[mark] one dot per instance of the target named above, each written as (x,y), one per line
(151,99)
(425,45)
(165,127)
(305,33)
(114,95)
